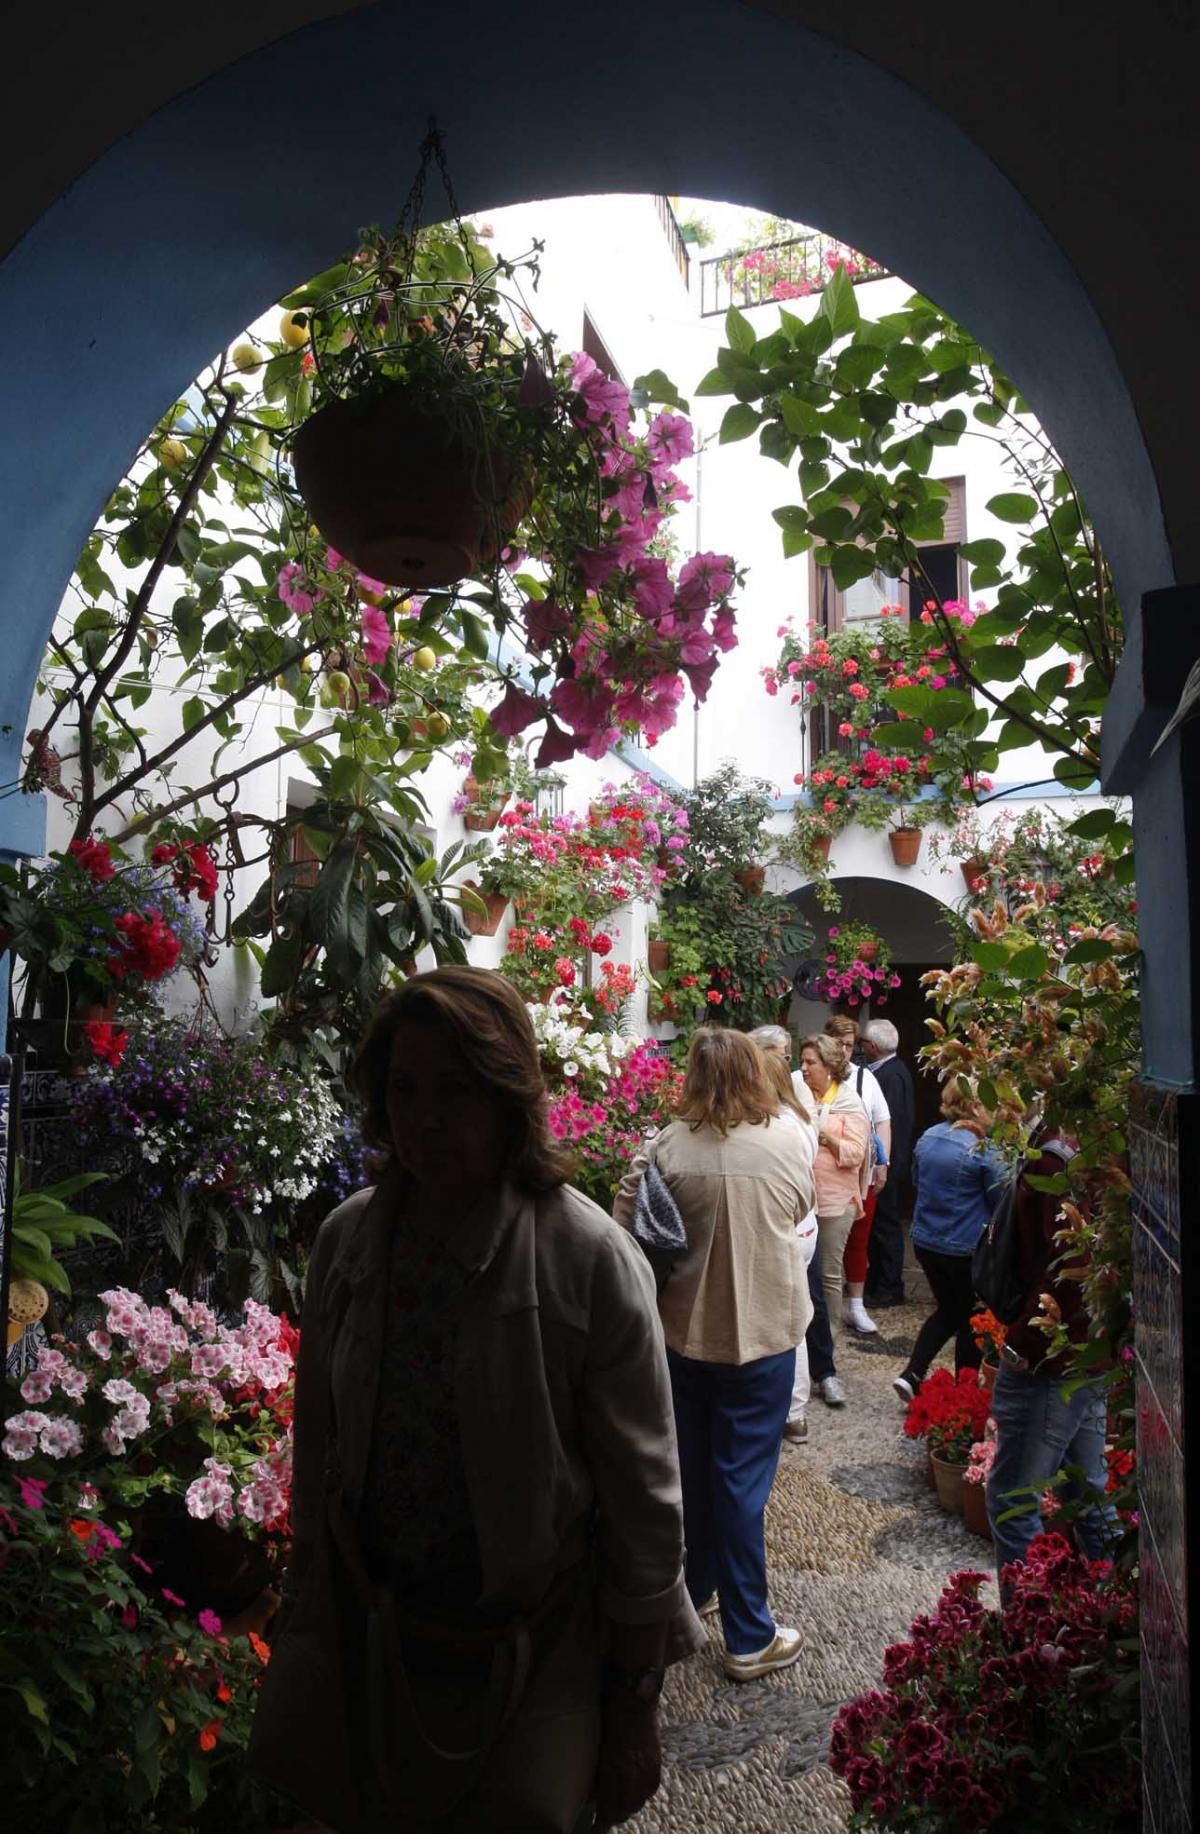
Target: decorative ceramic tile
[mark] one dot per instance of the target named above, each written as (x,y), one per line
(1158,1305)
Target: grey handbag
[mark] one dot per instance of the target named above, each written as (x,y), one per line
(657,1226)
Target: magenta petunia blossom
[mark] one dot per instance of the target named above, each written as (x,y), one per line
(375,633)
(515,711)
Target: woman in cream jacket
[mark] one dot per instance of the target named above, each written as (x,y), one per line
(732,1313)
(841,1168)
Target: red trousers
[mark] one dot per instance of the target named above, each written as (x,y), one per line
(854,1261)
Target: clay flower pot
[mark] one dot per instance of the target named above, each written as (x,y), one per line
(477,923)
(987,1374)
(480,820)
(395,488)
(949,1481)
(868,952)
(751,879)
(974,1510)
(905,845)
(975,873)
(658,956)
(818,845)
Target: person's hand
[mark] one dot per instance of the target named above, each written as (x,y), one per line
(629,1769)
(880,1178)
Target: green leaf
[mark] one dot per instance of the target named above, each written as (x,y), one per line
(1013,506)
(1089,949)
(850,564)
(716,382)
(997,661)
(740,421)
(34,1700)
(799,416)
(986,551)
(1094,825)
(1076,773)
(1029,964)
(839,307)
(740,332)
(658,387)
(990,955)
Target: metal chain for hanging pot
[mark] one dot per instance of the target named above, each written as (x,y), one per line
(433,148)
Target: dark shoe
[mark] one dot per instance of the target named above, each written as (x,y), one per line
(907,1386)
(884,1301)
(797,1430)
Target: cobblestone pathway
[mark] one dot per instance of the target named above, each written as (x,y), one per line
(857,1546)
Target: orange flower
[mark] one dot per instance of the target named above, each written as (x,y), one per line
(223,1693)
(82,1529)
(262,1650)
(208,1736)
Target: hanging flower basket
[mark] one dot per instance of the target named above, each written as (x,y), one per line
(400,493)
(479,924)
(751,879)
(658,956)
(818,845)
(905,845)
(975,873)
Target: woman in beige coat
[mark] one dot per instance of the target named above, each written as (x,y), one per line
(843,1159)
(487,1526)
(732,1314)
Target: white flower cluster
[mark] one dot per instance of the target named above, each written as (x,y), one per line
(573,1051)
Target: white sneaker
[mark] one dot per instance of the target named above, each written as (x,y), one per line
(856,1318)
(781,1652)
(831,1391)
(709,1606)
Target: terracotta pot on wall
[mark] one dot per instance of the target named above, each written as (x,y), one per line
(949,1482)
(906,845)
(974,1511)
(975,873)
(751,879)
(497,903)
(987,1374)
(820,845)
(658,956)
(868,952)
(481,821)
(398,492)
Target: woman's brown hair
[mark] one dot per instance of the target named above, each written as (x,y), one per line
(486,1017)
(779,1080)
(725,1082)
(963,1105)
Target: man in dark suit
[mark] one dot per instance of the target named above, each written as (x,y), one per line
(885,1249)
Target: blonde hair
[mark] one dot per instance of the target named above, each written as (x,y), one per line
(959,1104)
(779,1079)
(725,1082)
(829,1053)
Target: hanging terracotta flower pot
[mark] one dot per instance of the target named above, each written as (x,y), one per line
(658,956)
(818,845)
(399,491)
(481,819)
(974,1510)
(949,1480)
(975,872)
(868,951)
(905,845)
(751,879)
(478,923)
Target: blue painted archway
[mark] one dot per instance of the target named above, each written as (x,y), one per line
(189,227)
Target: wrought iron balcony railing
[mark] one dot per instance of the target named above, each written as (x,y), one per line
(779,271)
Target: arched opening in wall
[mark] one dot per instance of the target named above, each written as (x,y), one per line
(919,933)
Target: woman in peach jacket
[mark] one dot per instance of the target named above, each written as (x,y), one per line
(842,1165)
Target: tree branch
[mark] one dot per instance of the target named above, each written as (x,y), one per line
(219,783)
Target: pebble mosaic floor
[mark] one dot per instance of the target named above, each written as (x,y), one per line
(856,1547)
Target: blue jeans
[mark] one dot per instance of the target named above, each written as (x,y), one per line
(1039,1433)
(729,1421)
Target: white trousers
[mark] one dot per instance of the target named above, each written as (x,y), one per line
(806,1234)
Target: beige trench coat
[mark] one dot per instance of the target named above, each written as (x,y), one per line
(567,1435)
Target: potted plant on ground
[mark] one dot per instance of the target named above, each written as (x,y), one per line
(951,1413)
(979,1463)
